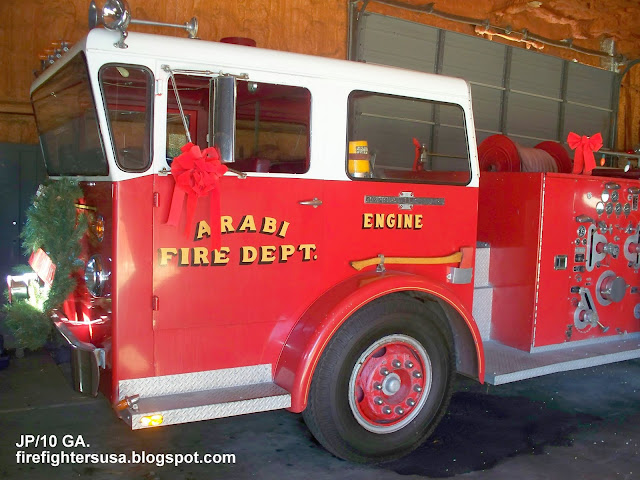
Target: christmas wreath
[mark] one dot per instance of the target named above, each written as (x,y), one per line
(53,225)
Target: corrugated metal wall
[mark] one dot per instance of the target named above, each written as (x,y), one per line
(527,95)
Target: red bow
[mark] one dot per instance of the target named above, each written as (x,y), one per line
(196,174)
(584,146)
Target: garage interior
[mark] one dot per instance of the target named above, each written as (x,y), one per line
(538,70)
(572,63)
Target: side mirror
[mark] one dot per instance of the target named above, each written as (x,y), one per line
(224,117)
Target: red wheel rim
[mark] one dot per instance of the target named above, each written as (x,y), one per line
(390,383)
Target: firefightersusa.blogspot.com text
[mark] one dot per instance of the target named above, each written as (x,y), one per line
(55,459)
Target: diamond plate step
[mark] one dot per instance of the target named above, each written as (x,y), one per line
(195,381)
(483,292)
(209,404)
(505,364)
(483,262)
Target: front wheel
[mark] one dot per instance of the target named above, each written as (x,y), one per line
(383,382)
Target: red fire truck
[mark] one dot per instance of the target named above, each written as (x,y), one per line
(278,231)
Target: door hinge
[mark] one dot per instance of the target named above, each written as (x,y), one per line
(155,303)
(156,199)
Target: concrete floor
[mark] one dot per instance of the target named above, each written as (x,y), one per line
(575,425)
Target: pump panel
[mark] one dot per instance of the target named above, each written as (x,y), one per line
(573,273)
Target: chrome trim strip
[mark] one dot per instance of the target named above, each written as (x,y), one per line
(406,201)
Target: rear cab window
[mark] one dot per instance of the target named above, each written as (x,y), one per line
(394,138)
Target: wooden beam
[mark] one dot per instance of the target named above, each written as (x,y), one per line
(16,108)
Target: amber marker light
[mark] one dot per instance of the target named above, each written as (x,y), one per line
(97,227)
(152,420)
(128,402)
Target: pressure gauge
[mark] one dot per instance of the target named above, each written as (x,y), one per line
(614,196)
(600,208)
(626,209)
(609,208)
(618,208)
(582,231)
(605,196)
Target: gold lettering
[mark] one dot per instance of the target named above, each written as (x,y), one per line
(379,220)
(268,225)
(226,224)
(248,255)
(200,256)
(285,252)
(266,254)
(202,229)
(282,232)
(418,222)
(306,248)
(184,257)
(367,220)
(391,220)
(165,255)
(247,224)
(219,257)
(408,220)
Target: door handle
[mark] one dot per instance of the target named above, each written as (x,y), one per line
(315,203)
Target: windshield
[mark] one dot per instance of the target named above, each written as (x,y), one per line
(67,122)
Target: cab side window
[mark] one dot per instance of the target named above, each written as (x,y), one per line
(194,98)
(397,138)
(272,123)
(272,128)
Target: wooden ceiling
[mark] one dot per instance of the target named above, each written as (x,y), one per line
(577,19)
(587,23)
(317,27)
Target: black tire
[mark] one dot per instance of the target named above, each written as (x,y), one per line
(334,415)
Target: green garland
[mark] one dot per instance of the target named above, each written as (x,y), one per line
(29,326)
(53,225)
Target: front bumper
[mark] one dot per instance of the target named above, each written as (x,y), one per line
(86,361)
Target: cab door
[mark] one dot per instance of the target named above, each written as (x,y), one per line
(230,284)
(418,196)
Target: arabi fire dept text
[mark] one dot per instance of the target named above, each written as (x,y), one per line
(247,255)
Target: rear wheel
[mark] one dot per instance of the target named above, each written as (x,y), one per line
(383,382)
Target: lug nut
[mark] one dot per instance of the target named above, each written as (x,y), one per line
(396,364)
(411,402)
(377,386)
(378,401)
(409,364)
(386,410)
(417,374)
(399,410)
(417,388)
(384,371)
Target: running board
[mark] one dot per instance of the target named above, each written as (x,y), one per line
(208,404)
(191,397)
(505,364)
